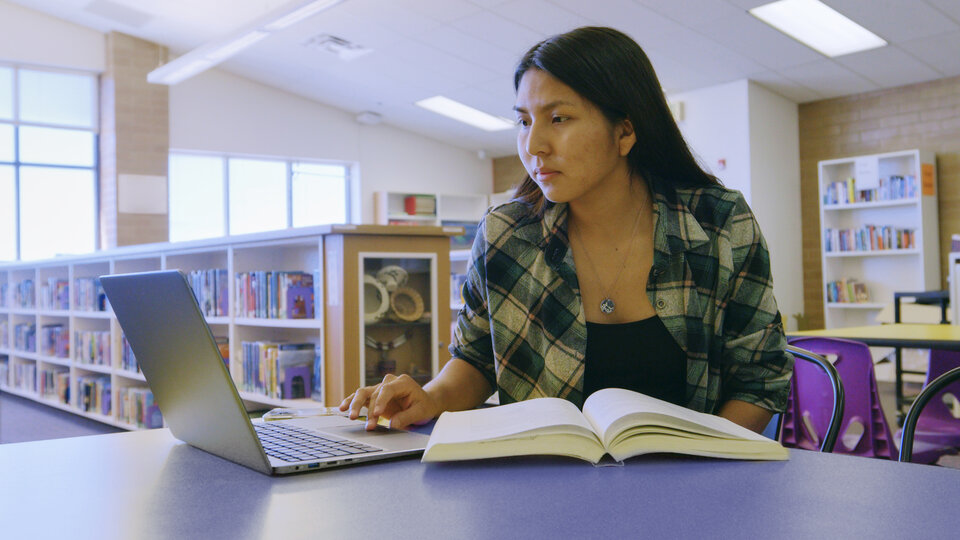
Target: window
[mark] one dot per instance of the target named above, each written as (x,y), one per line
(216,195)
(48,163)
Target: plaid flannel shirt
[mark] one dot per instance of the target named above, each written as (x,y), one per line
(523,325)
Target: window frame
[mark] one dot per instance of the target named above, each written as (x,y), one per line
(351,180)
(17,164)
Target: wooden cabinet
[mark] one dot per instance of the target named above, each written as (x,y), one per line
(387,304)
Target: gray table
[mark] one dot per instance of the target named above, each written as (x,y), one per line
(148,485)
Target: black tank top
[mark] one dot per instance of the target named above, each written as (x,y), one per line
(639,355)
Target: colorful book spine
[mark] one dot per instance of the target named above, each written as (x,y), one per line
(211,288)
(25,337)
(55,340)
(93,394)
(55,294)
(276,295)
(24,294)
(25,376)
(55,384)
(89,295)
(136,406)
(278,370)
(93,347)
(128,362)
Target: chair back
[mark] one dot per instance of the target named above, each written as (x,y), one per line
(941,413)
(820,379)
(864,430)
(913,415)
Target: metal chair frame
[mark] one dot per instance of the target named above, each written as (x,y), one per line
(913,415)
(833,429)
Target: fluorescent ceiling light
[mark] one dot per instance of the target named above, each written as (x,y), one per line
(211,54)
(464,113)
(818,26)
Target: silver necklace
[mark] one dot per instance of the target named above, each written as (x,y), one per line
(607,305)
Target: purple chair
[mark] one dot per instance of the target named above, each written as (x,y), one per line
(944,381)
(864,430)
(824,381)
(937,424)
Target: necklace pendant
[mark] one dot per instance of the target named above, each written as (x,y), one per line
(607,306)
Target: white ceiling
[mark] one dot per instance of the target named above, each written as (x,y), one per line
(467,49)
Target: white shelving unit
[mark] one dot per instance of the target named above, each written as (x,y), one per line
(299,250)
(911,267)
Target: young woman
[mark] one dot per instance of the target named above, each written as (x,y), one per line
(620,262)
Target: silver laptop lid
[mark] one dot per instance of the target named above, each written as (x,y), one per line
(179,358)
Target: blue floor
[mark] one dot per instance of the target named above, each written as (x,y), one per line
(22,420)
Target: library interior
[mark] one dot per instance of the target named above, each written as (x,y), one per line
(354,192)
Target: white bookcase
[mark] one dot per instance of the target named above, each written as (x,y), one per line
(292,250)
(879,227)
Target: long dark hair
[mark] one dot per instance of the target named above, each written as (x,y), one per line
(609,69)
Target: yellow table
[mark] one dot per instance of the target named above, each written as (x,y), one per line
(898,335)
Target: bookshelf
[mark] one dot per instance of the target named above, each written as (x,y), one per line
(96,353)
(879,232)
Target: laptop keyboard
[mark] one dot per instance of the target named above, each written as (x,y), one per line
(292,443)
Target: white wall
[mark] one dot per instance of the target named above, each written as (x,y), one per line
(756,132)
(220,112)
(775,184)
(716,128)
(30,37)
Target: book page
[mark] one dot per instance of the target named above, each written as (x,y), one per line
(539,426)
(504,420)
(613,410)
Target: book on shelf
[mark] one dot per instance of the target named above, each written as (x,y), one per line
(89,295)
(891,188)
(93,393)
(848,290)
(279,369)
(420,205)
(211,288)
(616,422)
(137,407)
(868,238)
(55,294)
(276,295)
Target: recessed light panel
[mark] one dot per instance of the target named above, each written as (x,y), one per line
(818,26)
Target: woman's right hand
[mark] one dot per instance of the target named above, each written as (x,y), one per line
(398,399)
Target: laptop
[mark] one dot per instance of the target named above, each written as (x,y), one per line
(182,365)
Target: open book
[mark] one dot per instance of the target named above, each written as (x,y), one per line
(614,421)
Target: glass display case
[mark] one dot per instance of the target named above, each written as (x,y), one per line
(386,305)
(398,321)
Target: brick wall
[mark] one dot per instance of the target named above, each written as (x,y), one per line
(134,139)
(508,172)
(925,115)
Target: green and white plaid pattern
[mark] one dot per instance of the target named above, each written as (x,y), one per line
(523,325)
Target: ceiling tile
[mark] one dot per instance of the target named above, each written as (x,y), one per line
(785,87)
(540,16)
(508,34)
(427,59)
(896,20)
(443,10)
(393,15)
(829,79)
(950,8)
(756,40)
(644,25)
(693,12)
(940,52)
(471,49)
(888,66)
